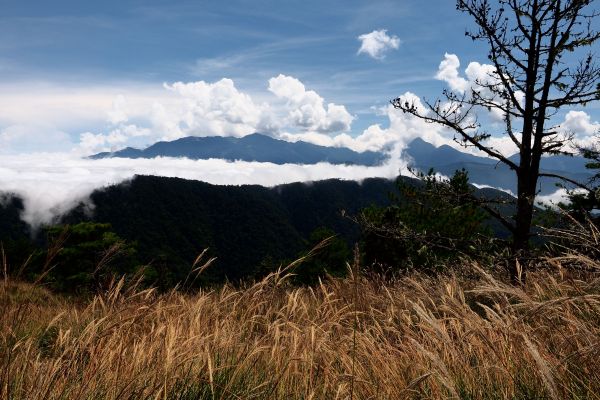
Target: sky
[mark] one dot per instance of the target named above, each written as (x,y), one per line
(94,76)
(80,77)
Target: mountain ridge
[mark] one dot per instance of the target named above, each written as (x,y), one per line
(422,155)
(254,147)
(490,172)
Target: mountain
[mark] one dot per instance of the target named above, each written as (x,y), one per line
(444,159)
(486,171)
(425,154)
(254,147)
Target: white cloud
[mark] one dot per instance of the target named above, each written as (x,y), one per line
(560,196)
(217,108)
(90,143)
(502,144)
(166,121)
(482,74)
(477,75)
(51,184)
(139,115)
(118,112)
(448,72)
(401,130)
(142,116)
(580,124)
(306,108)
(377,43)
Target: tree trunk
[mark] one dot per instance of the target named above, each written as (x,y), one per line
(523,221)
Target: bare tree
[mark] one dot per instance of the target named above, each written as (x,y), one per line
(534,47)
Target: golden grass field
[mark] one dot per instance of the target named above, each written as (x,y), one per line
(467,336)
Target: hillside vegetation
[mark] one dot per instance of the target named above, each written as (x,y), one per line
(248,228)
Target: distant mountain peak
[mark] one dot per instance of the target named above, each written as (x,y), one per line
(488,171)
(254,147)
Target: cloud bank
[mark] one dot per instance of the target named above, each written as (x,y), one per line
(52,184)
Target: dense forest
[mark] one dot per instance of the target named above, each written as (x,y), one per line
(251,230)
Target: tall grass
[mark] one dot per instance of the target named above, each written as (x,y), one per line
(467,335)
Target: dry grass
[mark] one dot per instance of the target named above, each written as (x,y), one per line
(419,337)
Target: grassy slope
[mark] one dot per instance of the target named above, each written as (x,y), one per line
(467,336)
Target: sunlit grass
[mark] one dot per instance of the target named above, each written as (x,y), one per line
(467,335)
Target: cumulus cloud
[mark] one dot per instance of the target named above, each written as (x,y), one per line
(580,123)
(217,108)
(52,184)
(139,116)
(90,143)
(404,128)
(477,75)
(377,43)
(503,144)
(306,108)
(448,72)
(481,74)
(291,111)
(401,129)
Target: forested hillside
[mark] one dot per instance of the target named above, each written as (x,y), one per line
(173,220)
(250,229)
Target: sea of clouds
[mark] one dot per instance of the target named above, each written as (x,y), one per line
(51,184)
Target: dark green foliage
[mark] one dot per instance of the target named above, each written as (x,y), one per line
(11,226)
(329,260)
(432,220)
(90,255)
(15,235)
(250,229)
(173,220)
(583,204)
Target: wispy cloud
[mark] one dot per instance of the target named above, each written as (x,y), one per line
(261,54)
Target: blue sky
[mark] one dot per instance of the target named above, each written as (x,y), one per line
(249,40)
(62,62)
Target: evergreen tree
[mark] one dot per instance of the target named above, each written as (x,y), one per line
(427,223)
(83,257)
